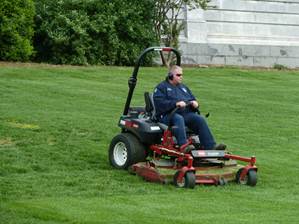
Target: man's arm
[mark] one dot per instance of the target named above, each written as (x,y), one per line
(193,100)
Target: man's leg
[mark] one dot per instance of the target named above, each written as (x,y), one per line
(200,127)
(178,127)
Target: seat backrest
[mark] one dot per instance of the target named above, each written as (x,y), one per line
(150,106)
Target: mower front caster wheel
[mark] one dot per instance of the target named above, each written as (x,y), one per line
(188,180)
(125,150)
(250,178)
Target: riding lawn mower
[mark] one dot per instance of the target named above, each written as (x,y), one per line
(148,148)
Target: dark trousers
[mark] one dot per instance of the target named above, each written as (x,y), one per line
(196,123)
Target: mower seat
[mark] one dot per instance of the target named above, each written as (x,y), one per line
(150,106)
(151,111)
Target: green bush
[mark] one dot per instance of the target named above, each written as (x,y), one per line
(16,29)
(280,67)
(92,31)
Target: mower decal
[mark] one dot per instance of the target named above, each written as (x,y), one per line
(155,128)
(163,49)
(166,49)
(201,153)
(135,125)
(128,124)
(207,153)
(213,154)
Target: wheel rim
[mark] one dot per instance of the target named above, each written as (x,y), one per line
(120,154)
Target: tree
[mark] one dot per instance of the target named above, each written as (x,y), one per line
(16,29)
(167,22)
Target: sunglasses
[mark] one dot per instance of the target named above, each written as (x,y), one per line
(179,75)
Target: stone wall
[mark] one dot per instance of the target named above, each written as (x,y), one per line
(243,32)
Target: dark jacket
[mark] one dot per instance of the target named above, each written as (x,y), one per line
(167,95)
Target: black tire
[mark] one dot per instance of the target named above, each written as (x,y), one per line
(125,150)
(250,179)
(189,180)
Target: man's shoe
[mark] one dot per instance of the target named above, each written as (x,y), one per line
(189,148)
(219,147)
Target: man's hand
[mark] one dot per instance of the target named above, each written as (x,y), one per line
(181,104)
(194,103)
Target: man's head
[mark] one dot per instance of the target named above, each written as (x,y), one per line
(175,75)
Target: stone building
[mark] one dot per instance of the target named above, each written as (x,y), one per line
(243,32)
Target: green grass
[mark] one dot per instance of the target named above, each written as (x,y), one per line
(56,124)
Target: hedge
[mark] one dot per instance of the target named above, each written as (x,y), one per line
(16,29)
(82,32)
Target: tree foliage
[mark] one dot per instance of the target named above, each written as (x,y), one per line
(168,23)
(92,31)
(16,29)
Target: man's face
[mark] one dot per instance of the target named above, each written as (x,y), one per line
(177,76)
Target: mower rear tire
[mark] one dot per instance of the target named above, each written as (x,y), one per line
(250,178)
(125,150)
(188,181)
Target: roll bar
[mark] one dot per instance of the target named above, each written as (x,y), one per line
(133,79)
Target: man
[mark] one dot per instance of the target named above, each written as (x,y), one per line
(172,93)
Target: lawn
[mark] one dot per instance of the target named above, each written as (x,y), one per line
(56,123)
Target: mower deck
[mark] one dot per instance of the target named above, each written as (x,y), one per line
(212,171)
